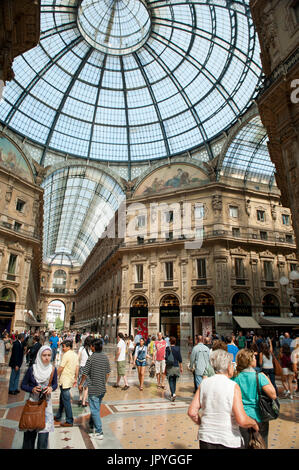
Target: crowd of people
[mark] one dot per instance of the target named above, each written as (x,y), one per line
(226,373)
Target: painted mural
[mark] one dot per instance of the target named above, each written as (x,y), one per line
(177,176)
(11,159)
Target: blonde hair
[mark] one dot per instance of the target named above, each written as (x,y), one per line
(244,358)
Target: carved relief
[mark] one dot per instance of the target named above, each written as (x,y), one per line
(217,203)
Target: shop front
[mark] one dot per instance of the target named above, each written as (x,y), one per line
(139,316)
(203,315)
(271,307)
(7,309)
(170,317)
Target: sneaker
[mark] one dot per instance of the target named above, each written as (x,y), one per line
(96,435)
(291,396)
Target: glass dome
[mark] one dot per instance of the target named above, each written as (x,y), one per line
(133,80)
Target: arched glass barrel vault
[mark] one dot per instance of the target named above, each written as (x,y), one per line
(247,156)
(79,202)
(127,81)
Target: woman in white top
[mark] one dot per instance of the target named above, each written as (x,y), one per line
(220,401)
(84,353)
(266,362)
(131,347)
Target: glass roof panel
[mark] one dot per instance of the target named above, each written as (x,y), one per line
(247,156)
(79,202)
(148,69)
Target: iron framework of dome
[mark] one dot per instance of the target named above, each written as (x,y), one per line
(133,80)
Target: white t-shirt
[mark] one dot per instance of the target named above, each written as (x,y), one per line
(131,344)
(84,356)
(122,355)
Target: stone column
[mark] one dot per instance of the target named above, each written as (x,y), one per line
(153,309)
(222,289)
(185,314)
(256,285)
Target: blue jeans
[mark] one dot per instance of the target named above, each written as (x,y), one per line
(172,383)
(65,404)
(95,406)
(54,352)
(198,380)
(270,373)
(14,379)
(30,438)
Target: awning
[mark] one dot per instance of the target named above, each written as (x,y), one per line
(247,322)
(280,321)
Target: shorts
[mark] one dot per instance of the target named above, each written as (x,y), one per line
(121,368)
(286,371)
(160,366)
(140,363)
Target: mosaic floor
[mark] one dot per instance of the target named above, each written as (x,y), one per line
(134,419)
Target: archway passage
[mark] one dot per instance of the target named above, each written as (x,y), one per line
(241,305)
(139,316)
(55,315)
(271,306)
(203,315)
(7,309)
(170,316)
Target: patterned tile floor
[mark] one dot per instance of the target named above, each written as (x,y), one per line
(134,419)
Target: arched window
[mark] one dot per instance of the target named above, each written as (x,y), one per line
(241,305)
(271,306)
(59,281)
(139,302)
(203,299)
(170,301)
(7,295)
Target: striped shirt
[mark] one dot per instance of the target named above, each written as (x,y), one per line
(96,368)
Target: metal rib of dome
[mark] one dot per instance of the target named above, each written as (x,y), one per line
(105,90)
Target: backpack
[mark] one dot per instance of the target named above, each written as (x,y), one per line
(170,359)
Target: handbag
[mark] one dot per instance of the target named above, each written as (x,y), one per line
(277,366)
(269,408)
(256,441)
(34,413)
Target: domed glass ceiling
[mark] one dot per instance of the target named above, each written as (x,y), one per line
(132,80)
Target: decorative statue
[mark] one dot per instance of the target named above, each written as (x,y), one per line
(217,202)
(248,207)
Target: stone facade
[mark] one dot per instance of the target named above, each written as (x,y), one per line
(59,283)
(21,209)
(246,233)
(19,32)
(277,24)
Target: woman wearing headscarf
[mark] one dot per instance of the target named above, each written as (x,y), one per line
(36,382)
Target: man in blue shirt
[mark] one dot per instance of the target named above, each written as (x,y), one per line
(231,347)
(287,340)
(54,343)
